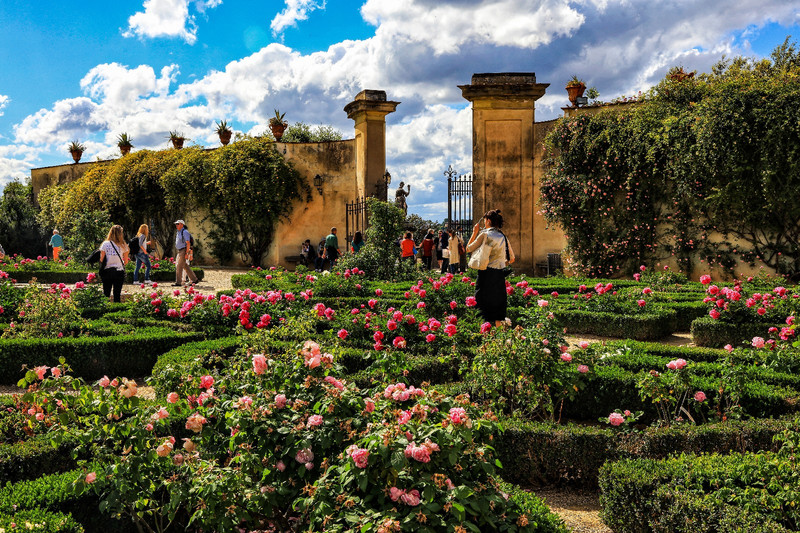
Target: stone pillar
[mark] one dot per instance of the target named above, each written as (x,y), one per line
(503,153)
(368,111)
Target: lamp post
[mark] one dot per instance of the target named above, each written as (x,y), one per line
(383,187)
(318,183)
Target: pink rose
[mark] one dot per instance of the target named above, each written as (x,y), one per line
(714,314)
(342,334)
(369,405)
(304,456)
(458,415)
(410,498)
(471,301)
(280,401)
(700,396)
(450,329)
(615,419)
(91,477)
(641,303)
(56,372)
(259,364)
(399,342)
(430,337)
(583,345)
(172,397)
(757,342)
(583,369)
(40,371)
(195,422)
(314,420)
(378,292)
(566,357)
(164,449)
(281,466)
(705,279)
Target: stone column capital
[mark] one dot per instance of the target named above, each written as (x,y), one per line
(506,89)
(370,105)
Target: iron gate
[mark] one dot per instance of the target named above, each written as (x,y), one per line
(356,219)
(459,201)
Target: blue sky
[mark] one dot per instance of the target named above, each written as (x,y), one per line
(92,70)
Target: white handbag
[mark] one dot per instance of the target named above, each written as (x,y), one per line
(479,259)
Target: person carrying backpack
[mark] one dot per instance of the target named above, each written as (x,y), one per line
(183,243)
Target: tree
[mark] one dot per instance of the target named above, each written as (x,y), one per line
(20,231)
(247,188)
(300,132)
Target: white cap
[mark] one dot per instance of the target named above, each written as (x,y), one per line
(180,221)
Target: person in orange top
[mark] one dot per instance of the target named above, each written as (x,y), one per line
(408,247)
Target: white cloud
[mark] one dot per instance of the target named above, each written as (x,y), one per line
(4,100)
(16,162)
(295,10)
(421,51)
(167,18)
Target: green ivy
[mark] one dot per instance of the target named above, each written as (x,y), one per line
(699,158)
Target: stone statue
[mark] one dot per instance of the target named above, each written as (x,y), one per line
(400,197)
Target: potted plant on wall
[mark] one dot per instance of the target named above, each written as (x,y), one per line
(278,125)
(575,88)
(76,149)
(224,132)
(124,143)
(177,139)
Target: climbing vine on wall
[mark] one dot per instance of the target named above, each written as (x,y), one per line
(705,170)
(244,189)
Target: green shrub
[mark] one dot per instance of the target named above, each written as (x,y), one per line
(39,521)
(542,454)
(715,334)
(173,366)
(646,326)
(91,357)
(33,457)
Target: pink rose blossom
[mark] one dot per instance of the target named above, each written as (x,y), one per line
(471,301)
(314,420)
(304,455)
(40,371)
(172,397)
(615,419)
(281,466)
(699,396)
(485,327)
(757,342)
(566,357)
(676,364)
(583,369)
(164,449)
(90,477)
(195,422)
(259,364)
(457,415)
(280,401)
(369,405)
(342,334)
(430,337)
(206,382)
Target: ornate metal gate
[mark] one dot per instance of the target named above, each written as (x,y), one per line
(356,220)
(459,201)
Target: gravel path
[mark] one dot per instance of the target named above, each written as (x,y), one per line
(676,339)
(580,510)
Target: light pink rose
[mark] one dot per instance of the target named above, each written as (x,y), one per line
(56,372)
(615,419)
(583,345)
(369,405)
(195,422)
(172,397)
(314,420)
(281,466)
(699,396)
(40,371)
(259,364)
(458,415)
(410,498)
(280,401)
(304,455)
(91,477)
(566,357)
(757,342)
(583,369)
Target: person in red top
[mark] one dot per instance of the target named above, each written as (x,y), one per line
(427,250)
(407,247)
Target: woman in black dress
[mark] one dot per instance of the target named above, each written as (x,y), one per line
(490,287)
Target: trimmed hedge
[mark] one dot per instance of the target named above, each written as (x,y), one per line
(91,357)
(541,454)
(39,521)
(715,334)
(613,387)
(646,326)
(33,457)
(54,493)
(57,276)
(644,495)
(697,354)
(171,366)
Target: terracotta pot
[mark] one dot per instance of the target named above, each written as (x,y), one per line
(124,150)
(177,143)
(225,137)
(277,130)
(574,92)
(76,155)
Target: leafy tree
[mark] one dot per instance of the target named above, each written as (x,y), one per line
(248,187)
(380,256)
(20,231)
(300,132)
(704,168)
(419,226)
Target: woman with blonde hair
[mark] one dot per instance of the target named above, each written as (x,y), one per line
(113,257)
(141,254)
